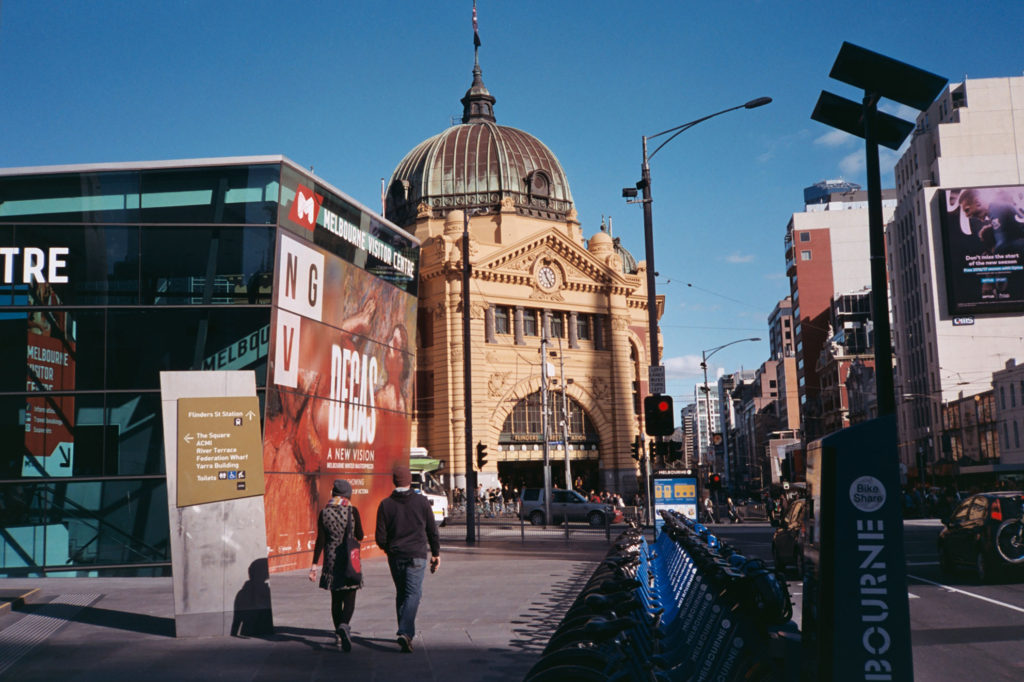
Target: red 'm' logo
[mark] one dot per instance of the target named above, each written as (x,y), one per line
(305,207)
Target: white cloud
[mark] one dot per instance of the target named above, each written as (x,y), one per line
(737,257)
(851,164)
(835,138)
(682,366)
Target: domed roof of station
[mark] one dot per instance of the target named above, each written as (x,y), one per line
(479,164)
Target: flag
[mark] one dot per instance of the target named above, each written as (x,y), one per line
(476,29)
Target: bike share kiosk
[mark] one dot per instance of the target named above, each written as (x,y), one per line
(856,618)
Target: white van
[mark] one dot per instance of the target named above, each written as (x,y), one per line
(427,485)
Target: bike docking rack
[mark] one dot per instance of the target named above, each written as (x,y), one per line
(688,607)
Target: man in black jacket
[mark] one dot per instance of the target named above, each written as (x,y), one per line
(405,525)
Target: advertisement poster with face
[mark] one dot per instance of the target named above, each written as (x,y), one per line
(50,365)
(338,393)
(983,233)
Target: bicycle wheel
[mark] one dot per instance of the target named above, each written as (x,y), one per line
(1010,541)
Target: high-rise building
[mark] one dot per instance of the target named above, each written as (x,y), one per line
(826,253)
(954,261)
(783,354)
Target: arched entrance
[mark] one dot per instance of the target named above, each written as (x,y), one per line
(521,443)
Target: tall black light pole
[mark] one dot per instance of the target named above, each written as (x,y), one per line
(879,76)
(866,455)
(645,187)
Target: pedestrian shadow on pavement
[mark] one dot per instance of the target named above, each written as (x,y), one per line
(252,610)
(108,618)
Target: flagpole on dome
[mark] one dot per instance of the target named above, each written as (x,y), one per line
(476,32)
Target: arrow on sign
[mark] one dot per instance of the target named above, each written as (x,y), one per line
(65,457)
(188,438)
(250,414)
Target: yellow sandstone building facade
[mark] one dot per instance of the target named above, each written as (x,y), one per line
(533,277)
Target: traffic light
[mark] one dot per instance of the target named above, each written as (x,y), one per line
(658,417)
(675,451)
(714,481)
(481,456)
(634,448)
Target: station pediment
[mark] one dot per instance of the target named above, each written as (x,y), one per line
(574,267)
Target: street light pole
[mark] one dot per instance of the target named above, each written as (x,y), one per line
(704,355)
(645,187)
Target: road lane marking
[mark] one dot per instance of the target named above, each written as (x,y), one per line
(969,594)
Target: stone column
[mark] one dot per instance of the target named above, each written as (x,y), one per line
(574,341)
(489,335)
(518,327)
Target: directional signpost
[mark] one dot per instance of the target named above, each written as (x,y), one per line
(220,449)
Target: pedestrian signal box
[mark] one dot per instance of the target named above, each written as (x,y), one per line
(658,417)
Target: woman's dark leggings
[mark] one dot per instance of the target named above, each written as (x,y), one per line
(343,605)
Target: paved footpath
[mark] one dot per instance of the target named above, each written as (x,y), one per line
(485,615)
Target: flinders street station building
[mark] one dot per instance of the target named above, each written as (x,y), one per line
(534,275)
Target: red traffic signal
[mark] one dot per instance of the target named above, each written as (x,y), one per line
(658,417)
(715,481)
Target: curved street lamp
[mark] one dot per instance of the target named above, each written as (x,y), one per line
(645,186)
(704,355)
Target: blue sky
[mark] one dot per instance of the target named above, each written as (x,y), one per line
(349,88)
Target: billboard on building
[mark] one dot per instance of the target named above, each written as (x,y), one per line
(983,237)
(339,386)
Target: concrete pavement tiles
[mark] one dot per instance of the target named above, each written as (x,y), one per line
(485,616)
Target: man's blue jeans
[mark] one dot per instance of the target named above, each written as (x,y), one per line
(408,577)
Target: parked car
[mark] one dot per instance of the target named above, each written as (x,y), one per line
(785,542)
(968,538)
(564,502)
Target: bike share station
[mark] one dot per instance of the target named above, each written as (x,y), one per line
(689,606)
(856,614)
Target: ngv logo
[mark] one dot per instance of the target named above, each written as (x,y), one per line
(306,207)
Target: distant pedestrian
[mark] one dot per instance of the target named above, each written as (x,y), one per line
(734,516)
(338,521)
(709,509)
(405,526)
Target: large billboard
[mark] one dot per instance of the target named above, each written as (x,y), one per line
(339,389)
(983,236)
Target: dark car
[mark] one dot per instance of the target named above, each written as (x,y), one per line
(564,503)
(786,538)
(968,539)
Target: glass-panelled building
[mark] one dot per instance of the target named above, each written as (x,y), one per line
(110,274)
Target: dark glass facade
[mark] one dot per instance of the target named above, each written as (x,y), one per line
(108,276)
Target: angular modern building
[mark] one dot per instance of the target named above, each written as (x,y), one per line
(113,273)
(558,322)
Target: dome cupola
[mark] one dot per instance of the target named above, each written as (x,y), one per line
(479,164)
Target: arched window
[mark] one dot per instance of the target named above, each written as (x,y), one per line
(523,423)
